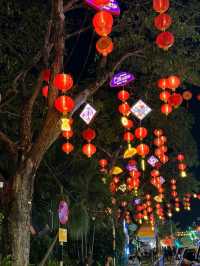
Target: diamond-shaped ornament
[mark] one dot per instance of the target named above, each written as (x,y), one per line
(88,113)
(162,180)
(152,160)
(140,109)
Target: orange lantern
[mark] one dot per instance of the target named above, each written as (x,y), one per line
(173,181)
(124,109)
(175,100)
(158,132)
(67,147)
(165,40)
(128,136)
(104,46)
(180,157)
(160,6)
(182,166)
(63,82)
(45,90)
(46,73)
(166,109)
(164,96)
(64,104)
(128,125)
(141,133)
(116,179)
(123,95)
(142,149)
(187,95)
(103,163)
(67,134)
(155,173)
(173,82)
(89,134)
(102,22)
(162,83)
(162,22)
(89,149)
(174,194)
(164,158)
(158,142)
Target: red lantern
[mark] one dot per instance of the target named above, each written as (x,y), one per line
(46,73)
(164,158)
(162,83)
(173,181)
(164,96)
(63,82)
(158,132)
(89,134)
(67,147)
(175,100)
(162,22)
(165,40)
(174,194)
(103,163)
(116,179)
(166,109)
(112,187)
(155,173)
(135,182)
(102,22)
(180,157)
(123,95)
(173,82)
(104,46)
(128,136)
(64,104)
(163,148)
(160,6)
(101,2)
(67,134)
(173,187)
(45,90)
(89,149)
(158,152)
(182,166)
(163,139)
(141,133)
(198,97)
(158,142)
(142,149)
(124,109)
(187,95)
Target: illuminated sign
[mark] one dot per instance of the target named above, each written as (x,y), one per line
(111,7)
(121,79)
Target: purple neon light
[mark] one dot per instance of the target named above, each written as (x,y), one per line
(121,79)
(111,7)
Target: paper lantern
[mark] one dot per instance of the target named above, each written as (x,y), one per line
(187,95)
(160,6)
(182,166)
(173,181)
(166,109)
(63,82)
(67,147)
(89,149)
(89,134)
(165,40)
(103,163)
(162,21)
(104,46)
(128,124)
(164,96)
(173,82)
(45,90)
(46,73)
(198,97)
(141,133)
(162,83)
(128,136)
(124,109)
(64,104)
(175,100)
(158,132)
(112,187)
(180,157)
(163,148)
(123,95)
(155,173)
(164,158)
(116,179)
(67,134)
(142,149)
(174,194)
(102,22)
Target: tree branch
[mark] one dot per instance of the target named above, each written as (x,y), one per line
(70,35)
(9,144)
(69,5)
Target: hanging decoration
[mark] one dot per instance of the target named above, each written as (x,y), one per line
(111,6)
(140,110)
(182,167)
(88,113)
(89,149)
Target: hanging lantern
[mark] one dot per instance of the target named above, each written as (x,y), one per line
(116,179)
(163,148)
(198,97)
(180,157)
(187,95)
(123,95)
(127,123)
(128,136)
(165,40)
(89,134)
(67,134)
(173,82)
(164,158)
(142,149)
(45,90)
(158,142)
(67,147)
(175,100)
(64,104)
(174,194)
(182,166)
(103,163)
(66,123)
(103,22)
(166,109)
(160,6)
(89,149)
(158,152)
(63,82)
(46,73)
(155,173)
(163,139)
(112,187)
(164,96)
(104,46)
(141,133)
(173,181)
(162,21)
(162,83)
(124,109)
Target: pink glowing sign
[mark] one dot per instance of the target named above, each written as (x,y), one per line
(111,7)
(63,212)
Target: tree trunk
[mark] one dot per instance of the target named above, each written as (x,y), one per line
(20,214)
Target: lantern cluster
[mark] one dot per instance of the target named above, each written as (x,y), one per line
(160,212)
(168,95)
(182,167)
(173,188)
(89,149)
(162,22)
(161,149)
(186,202)
(102,23)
